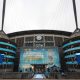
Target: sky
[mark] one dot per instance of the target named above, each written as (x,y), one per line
(23,15)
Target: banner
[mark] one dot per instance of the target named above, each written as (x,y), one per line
(49,57)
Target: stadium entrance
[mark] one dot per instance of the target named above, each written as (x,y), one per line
(39,68)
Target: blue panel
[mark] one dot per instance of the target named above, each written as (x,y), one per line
(8,62)
(78,59)
(71,49)
(70,62)
(1,58)
(7,56)
(70,43)
(77,53)
(7,50)
(69,56)
(4,43)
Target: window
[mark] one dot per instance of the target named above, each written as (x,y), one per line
(48,38)
(58,41)
(49,44)
(13,40)
(29,39)
(30,45)
(39,45)
(20,41)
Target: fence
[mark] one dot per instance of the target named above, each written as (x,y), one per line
(57,75)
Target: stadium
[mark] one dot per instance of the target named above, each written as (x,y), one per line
(30,53)
(71,52)
(7,53)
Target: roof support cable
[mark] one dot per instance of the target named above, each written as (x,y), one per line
(3,14)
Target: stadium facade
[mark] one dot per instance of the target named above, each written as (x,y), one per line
(71,50)
(7,53)
(39,49)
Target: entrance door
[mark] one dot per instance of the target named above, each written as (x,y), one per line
(39,68)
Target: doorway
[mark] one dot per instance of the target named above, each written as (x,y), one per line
(39,68)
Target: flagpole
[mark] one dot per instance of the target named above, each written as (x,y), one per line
(75,13)
(3,14)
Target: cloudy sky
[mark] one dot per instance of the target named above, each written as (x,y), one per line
(39,14)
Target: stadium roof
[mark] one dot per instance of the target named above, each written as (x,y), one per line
(56,32)
(21,15)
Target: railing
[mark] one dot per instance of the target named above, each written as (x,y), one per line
(53,75)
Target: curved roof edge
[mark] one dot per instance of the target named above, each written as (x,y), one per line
(56,32)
